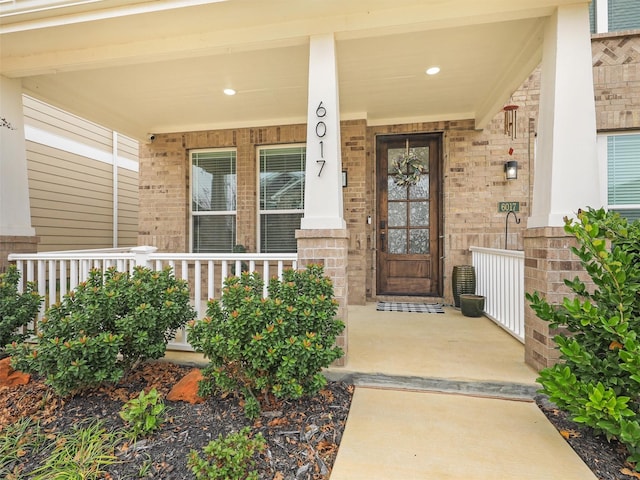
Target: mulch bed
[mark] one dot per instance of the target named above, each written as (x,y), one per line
(302,436)
(607,460)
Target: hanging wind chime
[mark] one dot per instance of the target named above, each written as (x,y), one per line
(510,120)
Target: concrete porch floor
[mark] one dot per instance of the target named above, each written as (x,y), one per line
(444,396)
(445,346)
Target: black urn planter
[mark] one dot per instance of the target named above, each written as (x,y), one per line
(463,281)
(471,305)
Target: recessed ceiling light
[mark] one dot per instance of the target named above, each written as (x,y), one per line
(433,70)
(229,91)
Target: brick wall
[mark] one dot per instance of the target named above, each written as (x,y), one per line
(15,244)
(163,194)
(548,261)
(473,183)
(616,76)
(357,206)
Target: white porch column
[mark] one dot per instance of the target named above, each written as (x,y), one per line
(566,167)
(16,233)
(15,214)
(323,182)
(323,237)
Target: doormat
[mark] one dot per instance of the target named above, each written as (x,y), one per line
(409,307)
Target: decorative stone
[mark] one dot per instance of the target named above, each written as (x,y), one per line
(186,390)
(10,377)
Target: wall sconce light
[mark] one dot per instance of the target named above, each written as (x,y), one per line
(344,178)
(511,170)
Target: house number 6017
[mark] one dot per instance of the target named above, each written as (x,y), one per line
(321,131)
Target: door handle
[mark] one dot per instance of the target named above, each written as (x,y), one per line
(383,237)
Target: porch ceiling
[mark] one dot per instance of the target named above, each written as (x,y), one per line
(161,66)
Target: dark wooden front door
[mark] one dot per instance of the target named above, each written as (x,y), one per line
(409,226)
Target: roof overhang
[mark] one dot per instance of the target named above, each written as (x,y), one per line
(161,66)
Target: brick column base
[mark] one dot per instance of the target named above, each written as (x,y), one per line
(548,261)
(329,248)
(15,244)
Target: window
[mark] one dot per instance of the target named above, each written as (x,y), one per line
(213,200)
(614,15)
(281,196)
(622,153)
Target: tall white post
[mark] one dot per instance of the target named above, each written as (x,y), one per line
(323,183)
(566,164)
(15,214)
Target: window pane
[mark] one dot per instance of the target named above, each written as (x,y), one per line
(623,15)
(397,214)
(213,189)
(420,189)
(282,178)
(397,241)
(631,214)
(394,191)
(419,242)
(419,214)
(214,233)
(623,152)
(213,184)
(592,16)
(281,188)
(277,232)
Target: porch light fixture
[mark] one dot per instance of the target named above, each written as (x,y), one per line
(433,70)
(229,91)
(511,170)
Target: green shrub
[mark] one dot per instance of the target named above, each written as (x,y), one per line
(228,458)
(276,345)
(144,414)
(598,379)
(105,327)
(16,309)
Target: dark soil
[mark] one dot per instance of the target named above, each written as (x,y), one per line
(302,436)
(607,460)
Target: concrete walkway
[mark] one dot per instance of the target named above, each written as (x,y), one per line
(444,397)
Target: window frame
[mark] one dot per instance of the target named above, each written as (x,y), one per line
(601,17)
(259,210)
(603,170)
(193,214)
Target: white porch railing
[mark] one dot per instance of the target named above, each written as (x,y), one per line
(500,279)
(57,273)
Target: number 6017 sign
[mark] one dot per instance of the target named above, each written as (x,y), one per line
(321,131)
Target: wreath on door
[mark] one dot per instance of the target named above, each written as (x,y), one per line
(407,169)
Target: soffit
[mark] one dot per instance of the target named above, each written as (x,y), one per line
(164,70)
